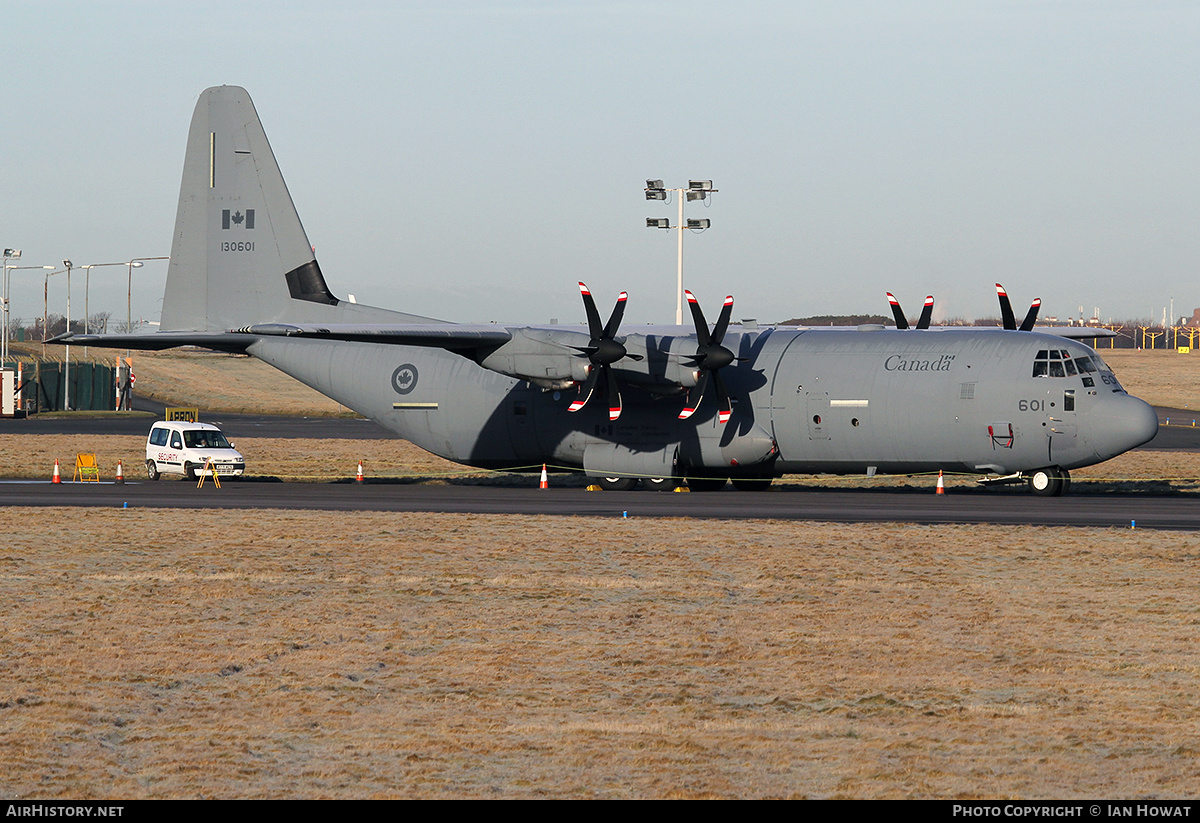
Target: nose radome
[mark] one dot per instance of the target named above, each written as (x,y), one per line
(1123,422)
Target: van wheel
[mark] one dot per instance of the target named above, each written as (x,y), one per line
(152,470)
(616,484)
(189,471)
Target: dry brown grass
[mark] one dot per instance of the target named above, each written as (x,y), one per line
(299,654)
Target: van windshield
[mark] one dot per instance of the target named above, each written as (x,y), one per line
(205,440)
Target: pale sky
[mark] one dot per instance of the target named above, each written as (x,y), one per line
(473,160)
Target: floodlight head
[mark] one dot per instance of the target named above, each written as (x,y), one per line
(700,185)
(656,194)
(68,263)
(654,184)
(698,224)
(696,195)
(658,223)
(137,264)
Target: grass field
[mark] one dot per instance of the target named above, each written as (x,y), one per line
(301,654)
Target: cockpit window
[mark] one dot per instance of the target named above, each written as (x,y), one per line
(1060,363)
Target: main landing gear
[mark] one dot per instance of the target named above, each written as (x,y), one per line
(1049,482)
(696,484)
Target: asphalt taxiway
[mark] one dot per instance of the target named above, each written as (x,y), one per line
(963,506)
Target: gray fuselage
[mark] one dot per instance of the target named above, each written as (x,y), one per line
(806,401)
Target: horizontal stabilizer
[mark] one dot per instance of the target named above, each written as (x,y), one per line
(220,340)
(442,336)
(435,335)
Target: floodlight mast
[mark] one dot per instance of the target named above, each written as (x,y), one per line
(15,254)
(696,190)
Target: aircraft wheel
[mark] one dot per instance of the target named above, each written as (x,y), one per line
(659,484)
(1064,478)
(152,470)
(752,484)
(1046,482)
(616,484)
(706,484)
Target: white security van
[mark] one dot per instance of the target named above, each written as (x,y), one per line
(180,447)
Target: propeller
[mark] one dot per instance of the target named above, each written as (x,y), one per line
(709,358)
(1006,312)
(602,351)
(902,321)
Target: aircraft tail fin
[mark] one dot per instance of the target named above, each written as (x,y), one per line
(239,253)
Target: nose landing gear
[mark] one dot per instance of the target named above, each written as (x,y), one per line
(1049,482)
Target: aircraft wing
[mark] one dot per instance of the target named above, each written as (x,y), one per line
(1075,332)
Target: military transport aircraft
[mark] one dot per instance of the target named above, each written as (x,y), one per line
(734,401)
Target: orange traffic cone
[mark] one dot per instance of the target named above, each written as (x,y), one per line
(545,484)
(120,474)
(57,477)
(941,486)
(359,477)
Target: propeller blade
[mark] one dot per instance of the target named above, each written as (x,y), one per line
(614,319)
(926,313)
(1006,312)
(593,316)
(897,312)
(702,338)
(718,332)
(1031,318)
(724,406)
(614,395)
(695,395)
(585,391)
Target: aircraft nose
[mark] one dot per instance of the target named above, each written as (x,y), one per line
(1123,422)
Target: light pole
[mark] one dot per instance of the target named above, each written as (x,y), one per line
(87,317)
(696,190)
(135,263)
(46,305)
(16,255)
(67,362)
(7,332)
